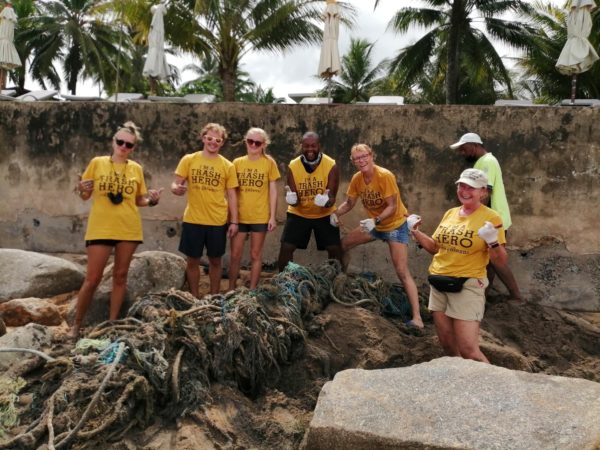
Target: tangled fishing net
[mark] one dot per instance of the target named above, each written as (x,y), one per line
(159,361)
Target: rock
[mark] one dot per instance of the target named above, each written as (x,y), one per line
(30,274)
(31,336)
(455,403)
(151,271)
(21,311)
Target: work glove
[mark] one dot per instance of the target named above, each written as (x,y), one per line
(367,225)
(322,199)
(412,221)
(291,198)
(334,220)
(488,233)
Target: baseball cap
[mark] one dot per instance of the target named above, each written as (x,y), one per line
(474,178)
(469,138)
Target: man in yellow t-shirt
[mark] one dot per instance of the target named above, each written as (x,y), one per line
(210,181)
(312,183)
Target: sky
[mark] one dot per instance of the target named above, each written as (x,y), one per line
(295,71)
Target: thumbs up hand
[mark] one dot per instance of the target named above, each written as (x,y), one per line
(322,199)
(291,198)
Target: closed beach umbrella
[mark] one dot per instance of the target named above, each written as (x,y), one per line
(9,58)
(156,62)
(578,55)
(329,63)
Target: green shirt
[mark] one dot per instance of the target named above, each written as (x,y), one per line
(489,164)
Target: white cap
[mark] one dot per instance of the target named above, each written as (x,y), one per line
(474,178)
(469,138)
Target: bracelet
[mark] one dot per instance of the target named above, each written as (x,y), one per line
(152,202)
(233,223)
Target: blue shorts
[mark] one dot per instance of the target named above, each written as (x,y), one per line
(400,234)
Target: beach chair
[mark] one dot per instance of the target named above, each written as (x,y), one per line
(593,102)
(125,97)
(513,102)
(81,98)
(158,98)
(386,100)
(200,98)
(6,98)
(316,100)
(37,96)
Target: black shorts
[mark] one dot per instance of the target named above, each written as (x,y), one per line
(298,229)
(108,242)
(253,227)
(195,237)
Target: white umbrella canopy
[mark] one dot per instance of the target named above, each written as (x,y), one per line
(156,62)
(329,62)
(9,58)
(578,55)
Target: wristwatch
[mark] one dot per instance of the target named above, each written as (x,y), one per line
(494,245)
(377,220)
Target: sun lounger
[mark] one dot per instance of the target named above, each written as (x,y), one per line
(125,97)
(81,98)
(6,98)
(158,98)
(386,100)
(513,102)
(200,98)
(8,92)
(315,101)
(594,102)
(37,96)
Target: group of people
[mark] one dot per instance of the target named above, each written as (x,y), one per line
(231,200)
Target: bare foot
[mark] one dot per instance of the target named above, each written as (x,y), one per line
(415,323)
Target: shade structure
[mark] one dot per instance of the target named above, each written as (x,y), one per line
(329,62)
(156,62)
(9,58)
(578,55)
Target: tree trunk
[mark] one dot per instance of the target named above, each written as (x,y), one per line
(457,18)
(228,80)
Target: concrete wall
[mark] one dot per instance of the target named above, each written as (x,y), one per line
(550,157)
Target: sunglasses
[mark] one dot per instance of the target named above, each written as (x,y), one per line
(121,143)
(115,198)
(252,142)
(210,139)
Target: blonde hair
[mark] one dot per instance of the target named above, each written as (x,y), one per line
(361,147)
(264,135)
(214,127)
(131,128)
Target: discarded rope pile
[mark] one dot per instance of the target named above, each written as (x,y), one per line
(160,359)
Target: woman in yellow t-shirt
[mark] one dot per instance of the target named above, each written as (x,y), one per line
(378,190)
(117,188)
(257,174)
(467,238)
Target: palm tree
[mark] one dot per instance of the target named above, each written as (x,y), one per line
(359,75)
(539,78)
(229,29)
(455,46)
(74,34)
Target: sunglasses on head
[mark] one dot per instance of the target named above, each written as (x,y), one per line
(121,143)
(216,139)
(115,198)
(252,142)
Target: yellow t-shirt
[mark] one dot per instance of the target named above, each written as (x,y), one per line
(310,184)
(462,252)
(207,181)
(108,221)
(382,185)
(253,194)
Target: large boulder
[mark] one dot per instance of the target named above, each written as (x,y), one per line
(31,336)
(455,403)
(22,311)
(151,271)
(30,274)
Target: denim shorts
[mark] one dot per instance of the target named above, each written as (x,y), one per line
(400,234)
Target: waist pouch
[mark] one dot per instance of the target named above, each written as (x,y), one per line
(445,283)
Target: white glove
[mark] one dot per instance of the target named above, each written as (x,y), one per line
(367,225)
(412,220)
(334,220)
(322,199)
(488,233)
(291,198)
